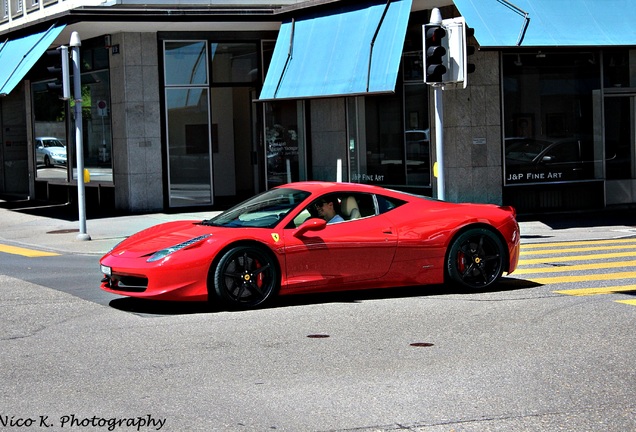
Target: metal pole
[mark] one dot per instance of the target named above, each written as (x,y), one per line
(438,169)
(439,141)
(79,131)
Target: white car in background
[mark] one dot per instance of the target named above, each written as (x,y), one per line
(50,151)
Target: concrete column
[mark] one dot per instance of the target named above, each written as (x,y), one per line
(136,116)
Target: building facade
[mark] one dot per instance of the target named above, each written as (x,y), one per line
(204,104)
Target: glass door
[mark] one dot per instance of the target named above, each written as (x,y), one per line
(620,148)
(284,142)
(188,123)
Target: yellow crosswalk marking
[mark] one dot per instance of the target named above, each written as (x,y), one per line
(580,249)
(629,302)
(579,267)
(576,258)
(545,257)
(31,253)
(576,243)
(585,278)
(596,291)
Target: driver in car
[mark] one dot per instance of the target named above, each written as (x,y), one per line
(327,210)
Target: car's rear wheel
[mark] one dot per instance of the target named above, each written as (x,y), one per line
(476,259)
(245,277)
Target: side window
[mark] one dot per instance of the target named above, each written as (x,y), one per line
(347,205)
(302,217)
(311,211)
(356,206)
(386,204)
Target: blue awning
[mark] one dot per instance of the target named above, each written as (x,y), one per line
(18,56)
(353,49)
(550,23)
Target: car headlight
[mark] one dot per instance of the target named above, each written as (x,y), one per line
(107,271)
(161,254)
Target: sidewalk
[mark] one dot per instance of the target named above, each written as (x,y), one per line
(30,225)
(53,228)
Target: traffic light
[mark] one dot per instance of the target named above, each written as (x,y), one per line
(58,60)
(459,51)
(434,53)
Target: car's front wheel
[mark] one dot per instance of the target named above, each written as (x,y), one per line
(476,259)
(245,277)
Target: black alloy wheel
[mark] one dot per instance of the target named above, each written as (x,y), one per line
(245,277)
(476,259)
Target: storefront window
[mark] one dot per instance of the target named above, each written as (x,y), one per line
(50,141)
(54,137)
(389,138)
(234,62)
(417,136)
(284,142)
(188,123)
(619,136)
(616,69)
(97,139)
(189,146)
(185,63)
(619,106)
(549,117)
(378,155)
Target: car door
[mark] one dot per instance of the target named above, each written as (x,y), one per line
(39,151)
(340,253)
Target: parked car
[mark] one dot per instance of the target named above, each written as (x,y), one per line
(274,243)
(535,160)
(50,151)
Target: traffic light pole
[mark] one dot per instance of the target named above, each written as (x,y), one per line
(79,132)
(439,141)
(435,61)
(446,67)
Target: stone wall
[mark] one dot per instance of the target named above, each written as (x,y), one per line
(328,138)
(137,166)
(472,135)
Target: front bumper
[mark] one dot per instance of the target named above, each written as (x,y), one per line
(159,284)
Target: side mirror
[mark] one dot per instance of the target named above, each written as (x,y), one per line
(313,224)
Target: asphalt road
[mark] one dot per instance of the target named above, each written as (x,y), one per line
(535,354)
(75,274)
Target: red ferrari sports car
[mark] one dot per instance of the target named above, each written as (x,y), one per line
(276,243)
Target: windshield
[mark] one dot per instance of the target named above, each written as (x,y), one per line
(52,143)
(525,150)
(262,211)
